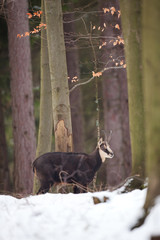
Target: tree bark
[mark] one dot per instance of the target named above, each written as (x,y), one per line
(131,28)
(45,120)
(4,168)
(59,76)
(151,60)
(73,71)
(22,96)
(115,100)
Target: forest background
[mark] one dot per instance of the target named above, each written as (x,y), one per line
(95,57)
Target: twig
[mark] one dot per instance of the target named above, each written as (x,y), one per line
(89,80)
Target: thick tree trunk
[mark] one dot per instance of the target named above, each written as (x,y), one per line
(59,76)
(131,27)
(4,169)
(22,96)
(115,99)
(73,71)
(151,60)
(45,121)
(151,84)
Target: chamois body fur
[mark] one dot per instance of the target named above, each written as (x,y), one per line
(60,167)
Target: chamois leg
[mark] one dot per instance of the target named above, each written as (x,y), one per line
(44,188)
(76,189)
(82,189)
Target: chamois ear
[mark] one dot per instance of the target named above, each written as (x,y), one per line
(99,142)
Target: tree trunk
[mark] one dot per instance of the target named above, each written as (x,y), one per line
(73,72)
(4,169)
(115,100)
(45,120)
(22,96)
(59,76)
(151,60)
(131,27)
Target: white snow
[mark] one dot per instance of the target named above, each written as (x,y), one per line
(76,217)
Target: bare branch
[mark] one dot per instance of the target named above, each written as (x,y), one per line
(89,80)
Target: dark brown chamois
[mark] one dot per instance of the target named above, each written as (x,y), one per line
(77,168)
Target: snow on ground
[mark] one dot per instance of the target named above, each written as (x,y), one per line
(76,217)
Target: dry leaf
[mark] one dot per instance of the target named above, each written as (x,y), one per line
(117,26)
(29,15)
(121,62)
(98,74)
(105,10)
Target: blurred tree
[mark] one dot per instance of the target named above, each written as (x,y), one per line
(151,61)
(151,84)
(115,98)
(59,76)
(131,28)
(74,76)
(22,96)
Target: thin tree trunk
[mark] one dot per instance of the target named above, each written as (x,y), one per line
(59,76)
(45,124)
(22,96)
(73,72)
(115,99)
(4,169)
(131,27)
(45,121)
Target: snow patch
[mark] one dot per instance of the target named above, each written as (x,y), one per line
(75,216)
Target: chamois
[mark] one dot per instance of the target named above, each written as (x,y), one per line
(61,167)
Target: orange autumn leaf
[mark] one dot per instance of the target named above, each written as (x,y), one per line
(98,74)
(121,62)
(27,34)
(105,10)
(104,43)
(29,15)
(115,43)
(113,10)
(42,25)
(119,13)
(117,26)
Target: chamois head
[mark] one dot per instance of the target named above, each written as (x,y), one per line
(104,150)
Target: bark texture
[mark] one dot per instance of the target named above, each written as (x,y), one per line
(73,71)
(115,99)
(22,96)
(4,169)
(151,60)
(131,27)
(45,119)
(59,76)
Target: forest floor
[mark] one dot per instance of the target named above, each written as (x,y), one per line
(76,217)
